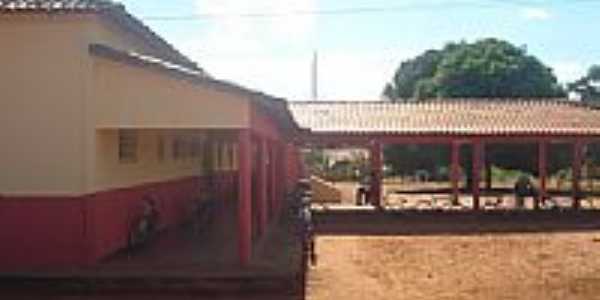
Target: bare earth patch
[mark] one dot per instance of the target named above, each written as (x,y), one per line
(500,266)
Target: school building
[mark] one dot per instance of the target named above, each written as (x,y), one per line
(98,112)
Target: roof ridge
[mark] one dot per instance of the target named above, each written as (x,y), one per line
(338,101)
(449,101)
(58,5)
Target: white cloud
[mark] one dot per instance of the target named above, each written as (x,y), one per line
(230,33)
(568,71)
(342,75)
(356,76)
(274,54)
(271,54)
(536,14)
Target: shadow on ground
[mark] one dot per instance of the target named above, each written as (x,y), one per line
(431,222)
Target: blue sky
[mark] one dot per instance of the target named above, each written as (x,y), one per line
(358,52)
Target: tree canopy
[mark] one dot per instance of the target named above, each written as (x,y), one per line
(488,68)
(588,87)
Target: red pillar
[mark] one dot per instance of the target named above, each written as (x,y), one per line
(377,172)
(455,172)
(283,168)
(478,155)
(488,175)
(273,179)
(262,185)
(576,164)
(244,196)
(279,177)
(542,172)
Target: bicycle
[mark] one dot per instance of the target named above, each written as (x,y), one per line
(144,227)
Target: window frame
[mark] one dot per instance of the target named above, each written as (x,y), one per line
(128,146)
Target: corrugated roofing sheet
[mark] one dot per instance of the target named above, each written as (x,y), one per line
(451,116)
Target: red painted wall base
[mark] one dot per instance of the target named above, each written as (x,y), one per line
(57,232)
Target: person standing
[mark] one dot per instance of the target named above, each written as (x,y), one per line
(362,193)
(523,188)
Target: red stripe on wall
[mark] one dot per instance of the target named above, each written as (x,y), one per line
(51,232)
(41,232)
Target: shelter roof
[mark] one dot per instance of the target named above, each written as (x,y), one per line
(448,116)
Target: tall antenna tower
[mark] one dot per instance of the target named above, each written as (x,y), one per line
(315,77)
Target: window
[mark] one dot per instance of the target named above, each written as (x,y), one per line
(218,156)
(196,148)
(223,156)
(187,148)
(128,144)
(161,148)
(232,156)
(177,148)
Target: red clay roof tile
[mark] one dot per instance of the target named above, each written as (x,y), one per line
(475,116)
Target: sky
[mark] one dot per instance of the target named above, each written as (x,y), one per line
(268,45)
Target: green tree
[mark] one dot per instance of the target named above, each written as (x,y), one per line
(411,73)
(588,87)
(488,68)
(316,161)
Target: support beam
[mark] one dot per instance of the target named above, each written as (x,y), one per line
(280,177)
(262,185)
(244,197)
(478,157)
(590,178)
(488,175)
(542,173)
(455,172)
(272,180)
(377,173)
(576,177)
(276,177)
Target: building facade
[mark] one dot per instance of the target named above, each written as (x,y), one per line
(100,112)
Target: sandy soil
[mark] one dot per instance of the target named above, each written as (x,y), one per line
(516,266)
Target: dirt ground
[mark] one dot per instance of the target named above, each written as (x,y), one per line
(491,266)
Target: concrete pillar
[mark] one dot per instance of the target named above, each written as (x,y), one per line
(455,172)
(244,197)
(377,173)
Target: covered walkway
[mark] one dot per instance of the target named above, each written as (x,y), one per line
(466,127)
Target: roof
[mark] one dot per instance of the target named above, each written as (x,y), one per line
(115,12)
(277,107)
(454,117)
(54,5)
